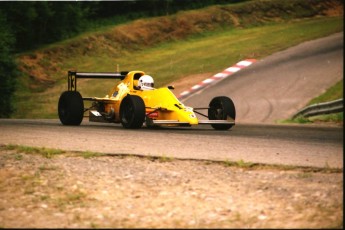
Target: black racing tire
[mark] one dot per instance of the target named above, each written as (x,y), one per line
(71,108)
(220,108)
(132,112)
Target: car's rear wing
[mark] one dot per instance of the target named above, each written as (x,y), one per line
(74,75)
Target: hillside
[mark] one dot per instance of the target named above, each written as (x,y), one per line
(172,47)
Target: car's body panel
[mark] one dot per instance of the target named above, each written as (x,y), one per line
(161,105)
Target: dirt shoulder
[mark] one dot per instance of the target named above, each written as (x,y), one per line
(68,191)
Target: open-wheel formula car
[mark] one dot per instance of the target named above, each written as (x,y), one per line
(134,101)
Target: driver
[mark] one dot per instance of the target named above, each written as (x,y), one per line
(145,82)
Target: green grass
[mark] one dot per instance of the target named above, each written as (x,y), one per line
(89,154)
(45,152)
(21,149)
(209,52)
(336,118)
(333,93)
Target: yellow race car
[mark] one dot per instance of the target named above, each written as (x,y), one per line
(134,101)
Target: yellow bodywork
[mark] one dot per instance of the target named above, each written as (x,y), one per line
(161,104)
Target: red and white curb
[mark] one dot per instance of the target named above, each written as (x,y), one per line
(225,73)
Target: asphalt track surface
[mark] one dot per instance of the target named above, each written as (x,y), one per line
(297,145)
(279,85)
(272,88)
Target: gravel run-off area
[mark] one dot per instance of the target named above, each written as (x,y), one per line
(81,190)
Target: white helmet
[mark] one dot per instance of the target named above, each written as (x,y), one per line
(145,82)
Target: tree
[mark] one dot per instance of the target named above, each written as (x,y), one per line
(7,68)
(36,23)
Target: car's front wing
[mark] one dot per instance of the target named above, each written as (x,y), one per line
(200,122)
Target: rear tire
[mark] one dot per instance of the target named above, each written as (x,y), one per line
(71,108)
(132,112)
(220,108)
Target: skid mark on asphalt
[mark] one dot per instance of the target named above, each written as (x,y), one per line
(269,110)
(247,108)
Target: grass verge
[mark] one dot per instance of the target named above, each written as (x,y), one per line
(164,159)
(333,93)
(47,152)
(206,53)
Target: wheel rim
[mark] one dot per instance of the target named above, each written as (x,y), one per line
(217,113)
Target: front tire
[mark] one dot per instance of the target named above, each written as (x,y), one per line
(221,108)
(71,108)
(132,112)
